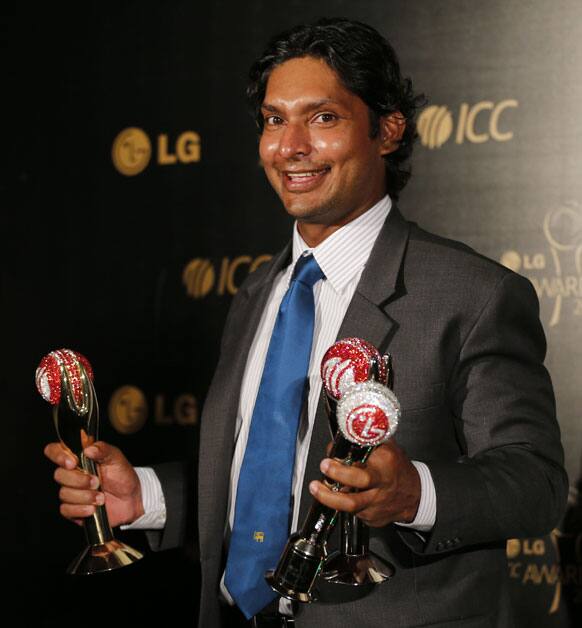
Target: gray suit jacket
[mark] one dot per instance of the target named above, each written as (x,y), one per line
(478,408)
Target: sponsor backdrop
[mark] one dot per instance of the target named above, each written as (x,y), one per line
(134,207)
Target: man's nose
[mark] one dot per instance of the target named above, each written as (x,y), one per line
(295,141)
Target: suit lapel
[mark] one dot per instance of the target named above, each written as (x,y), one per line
(367,317)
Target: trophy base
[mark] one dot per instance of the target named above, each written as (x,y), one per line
(356,570)
(105,557)
(286,592)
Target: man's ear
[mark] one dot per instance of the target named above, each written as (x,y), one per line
(392,129)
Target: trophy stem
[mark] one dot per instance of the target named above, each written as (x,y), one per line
(103,552)
(304,556)
(362,537)
(97,526)
(77,427)
(349,537)
(355,565)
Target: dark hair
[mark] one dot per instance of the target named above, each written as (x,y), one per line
(365,63)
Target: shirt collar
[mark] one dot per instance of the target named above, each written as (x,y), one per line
(346,251)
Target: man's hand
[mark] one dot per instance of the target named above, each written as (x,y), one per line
(388,484)
(119,485)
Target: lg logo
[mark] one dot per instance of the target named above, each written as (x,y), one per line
(132,150)
(474,123)
(129,411)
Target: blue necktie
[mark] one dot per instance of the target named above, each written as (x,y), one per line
(263,499)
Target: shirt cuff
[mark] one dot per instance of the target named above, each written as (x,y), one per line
(154,504)
(426,514)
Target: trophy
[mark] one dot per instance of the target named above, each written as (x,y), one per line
(64,379)
(367,415)
(348,361)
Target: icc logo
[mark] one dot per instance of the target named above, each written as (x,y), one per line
(132,150)
(199,275)
(436,124)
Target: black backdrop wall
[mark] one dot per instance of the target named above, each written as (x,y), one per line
(133,207)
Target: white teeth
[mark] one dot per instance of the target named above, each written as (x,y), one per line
(300,175)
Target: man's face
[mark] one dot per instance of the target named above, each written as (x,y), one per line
(316,147)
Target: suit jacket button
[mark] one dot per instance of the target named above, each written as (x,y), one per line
(439,547)
(457,540)
(449,543)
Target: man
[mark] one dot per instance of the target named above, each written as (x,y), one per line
(477,458)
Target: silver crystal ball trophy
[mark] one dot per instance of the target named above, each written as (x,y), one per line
(363,413)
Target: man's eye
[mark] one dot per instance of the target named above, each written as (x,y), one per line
(325,117)
(273,120)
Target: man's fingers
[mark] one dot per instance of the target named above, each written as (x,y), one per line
(75,479)
(76,511)
(76,496)
(56,453)
(355,477)
(99,451)
(359,504)
(104,453)
(338,500)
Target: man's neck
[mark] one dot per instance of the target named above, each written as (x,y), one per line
(314,234)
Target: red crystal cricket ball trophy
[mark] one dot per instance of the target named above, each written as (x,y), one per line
(364,413)
(64,379)
(347,362)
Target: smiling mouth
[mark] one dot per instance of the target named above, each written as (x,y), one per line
(304,180)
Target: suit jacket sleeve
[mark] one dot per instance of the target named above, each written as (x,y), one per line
(174,478)
(510,481)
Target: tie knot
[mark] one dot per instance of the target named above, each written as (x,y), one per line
(307,271)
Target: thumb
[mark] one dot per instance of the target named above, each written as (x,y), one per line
(103,453)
